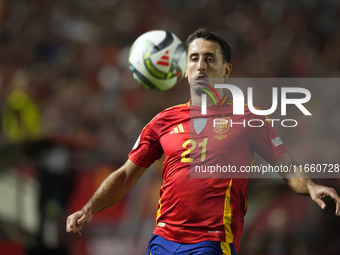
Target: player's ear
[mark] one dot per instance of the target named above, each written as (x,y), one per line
(186,73)
(227,70)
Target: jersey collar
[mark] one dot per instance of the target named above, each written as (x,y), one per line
(224,100)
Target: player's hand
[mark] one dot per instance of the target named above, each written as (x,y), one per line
(75,221)
(319,193)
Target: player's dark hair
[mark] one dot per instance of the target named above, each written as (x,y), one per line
(210,36)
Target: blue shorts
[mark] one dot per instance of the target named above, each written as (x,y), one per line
(161,246)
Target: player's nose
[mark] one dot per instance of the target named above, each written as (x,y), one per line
(201,65)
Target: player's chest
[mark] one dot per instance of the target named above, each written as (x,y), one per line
(198,136)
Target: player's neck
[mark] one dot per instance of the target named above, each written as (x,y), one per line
(196,99)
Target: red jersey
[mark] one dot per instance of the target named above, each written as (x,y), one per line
(191,210)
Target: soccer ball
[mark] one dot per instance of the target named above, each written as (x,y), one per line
(157,60)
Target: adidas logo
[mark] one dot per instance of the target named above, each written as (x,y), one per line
(178,129)
(164,61)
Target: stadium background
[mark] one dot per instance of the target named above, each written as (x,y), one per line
(66,61)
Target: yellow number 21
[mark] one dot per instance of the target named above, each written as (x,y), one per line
(193,143)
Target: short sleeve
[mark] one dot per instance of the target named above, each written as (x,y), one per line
(147,148)
(265,141)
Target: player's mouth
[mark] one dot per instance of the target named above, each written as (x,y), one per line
(201,77)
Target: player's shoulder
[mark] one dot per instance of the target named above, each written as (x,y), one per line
(174,110)
(177,107)
(170,112)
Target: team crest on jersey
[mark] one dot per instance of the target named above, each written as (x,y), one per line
(222,126)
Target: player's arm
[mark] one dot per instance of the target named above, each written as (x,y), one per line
(307,186)
(110,192)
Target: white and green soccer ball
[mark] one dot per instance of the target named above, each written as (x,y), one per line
(157,60)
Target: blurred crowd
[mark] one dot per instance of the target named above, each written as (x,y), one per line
(70,59)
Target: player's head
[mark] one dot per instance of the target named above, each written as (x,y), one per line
(210,36)
(208,57)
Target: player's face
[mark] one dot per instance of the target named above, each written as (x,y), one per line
(205,61)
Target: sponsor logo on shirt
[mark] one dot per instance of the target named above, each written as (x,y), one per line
(177,129)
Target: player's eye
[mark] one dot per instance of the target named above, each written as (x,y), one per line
(210,59)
